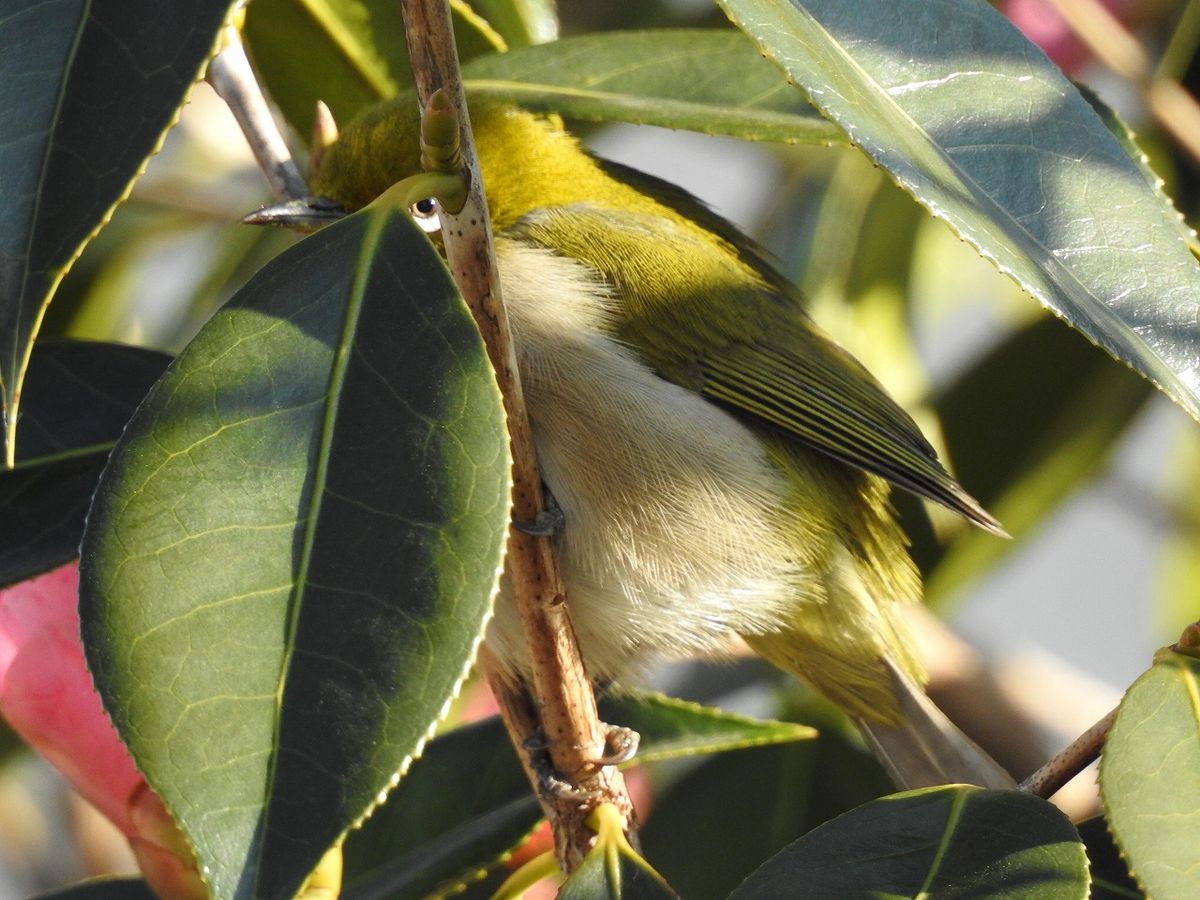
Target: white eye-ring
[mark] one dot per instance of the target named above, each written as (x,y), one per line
(425,213)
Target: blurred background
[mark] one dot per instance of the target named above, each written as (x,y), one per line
(1095,474)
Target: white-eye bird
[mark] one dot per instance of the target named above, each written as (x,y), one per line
(721,464)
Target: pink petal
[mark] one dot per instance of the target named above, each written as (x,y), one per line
(46,693)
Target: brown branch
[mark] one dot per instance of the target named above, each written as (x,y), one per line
(1081,753)
(230,75)
(565,706)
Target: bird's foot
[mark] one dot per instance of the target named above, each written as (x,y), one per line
(547,523)
(620,746)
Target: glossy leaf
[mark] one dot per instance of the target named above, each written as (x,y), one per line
(983,130)
(1027,425)
(612,869)
(87,91)
(708,81)
(78,397)
(293,549)
(955,841)
(1150,776)
(348,53)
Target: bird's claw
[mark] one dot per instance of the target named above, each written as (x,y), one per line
(547,523)
(620,746)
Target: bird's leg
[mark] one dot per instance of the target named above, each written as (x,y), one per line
(548,522)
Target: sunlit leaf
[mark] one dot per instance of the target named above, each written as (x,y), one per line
(1150,776)
(87,91)
(982,129)
(293,549)
(708,81)
(78,397)
(956,841)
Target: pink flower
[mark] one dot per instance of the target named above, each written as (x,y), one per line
(1042,24)
(46,695)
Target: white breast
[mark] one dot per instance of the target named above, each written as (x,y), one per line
(674,540)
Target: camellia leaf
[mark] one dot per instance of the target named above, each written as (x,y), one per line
(955,841)
(708,81)
(87,91)
(292,552)
(354,52)
(983,130)
(1150,773)
(78,397)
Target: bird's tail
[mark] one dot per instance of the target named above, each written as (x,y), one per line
(928,749)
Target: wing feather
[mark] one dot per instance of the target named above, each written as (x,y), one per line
(676,274)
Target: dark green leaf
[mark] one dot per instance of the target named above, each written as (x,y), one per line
(348,53)
(1150,776)
(293,549)
(1026,426)
(982,129)
(104,889)
(464,804)
(612,869)
(1110,876)
(957,841)
(708,81)
(78,397)
(87,91)
(673,728)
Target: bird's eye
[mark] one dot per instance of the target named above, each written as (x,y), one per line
(425,212)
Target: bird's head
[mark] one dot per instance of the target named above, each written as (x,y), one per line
(528,162)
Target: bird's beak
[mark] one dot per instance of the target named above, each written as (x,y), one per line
(306,214)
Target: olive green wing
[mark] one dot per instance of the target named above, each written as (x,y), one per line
(703,306)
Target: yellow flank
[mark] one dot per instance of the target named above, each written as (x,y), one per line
(722,465)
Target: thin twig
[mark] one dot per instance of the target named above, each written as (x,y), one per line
(232,78)
(565,705)
(1082,752)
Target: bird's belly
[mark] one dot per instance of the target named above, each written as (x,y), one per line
(676,536)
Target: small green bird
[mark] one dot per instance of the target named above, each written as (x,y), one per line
(721,464)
